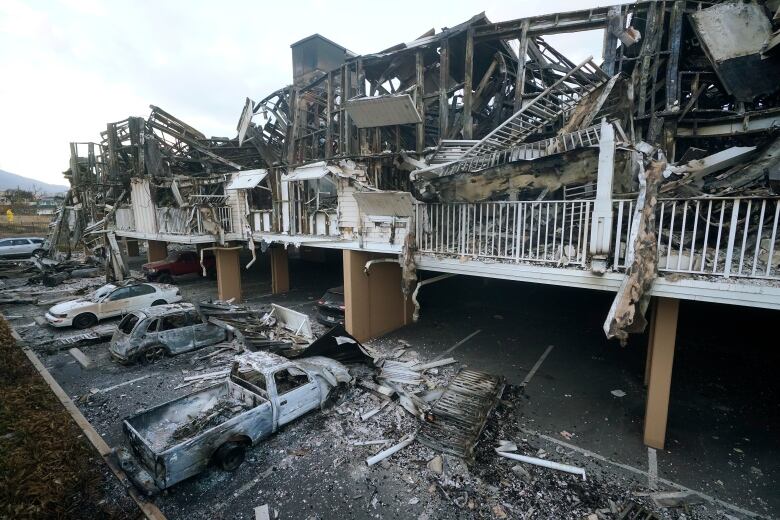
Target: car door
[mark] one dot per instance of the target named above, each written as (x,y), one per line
(115,303)
(142,296)
(26,246)
(205,333)
(296,392)
(175,332)
(20,247)
(6,247)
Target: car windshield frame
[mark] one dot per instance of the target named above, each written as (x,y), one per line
(100,294)
(132,320)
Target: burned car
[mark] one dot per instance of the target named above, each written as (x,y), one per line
(153,333)
(264,391)
(330,308)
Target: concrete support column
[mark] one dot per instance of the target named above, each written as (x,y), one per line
(156,250)
(374,303)
(228,274)
(131,246)
(280,272)
(659,367)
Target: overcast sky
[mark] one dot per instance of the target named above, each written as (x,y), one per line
(71,66)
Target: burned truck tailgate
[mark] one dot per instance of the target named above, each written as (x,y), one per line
(180,438)
(457,418)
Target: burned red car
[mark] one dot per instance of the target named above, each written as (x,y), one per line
(178,263)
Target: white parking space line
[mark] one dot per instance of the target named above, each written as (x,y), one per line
(243,489)
(652,468)
(456,345)
(104,390)
(641,472)
(536,367)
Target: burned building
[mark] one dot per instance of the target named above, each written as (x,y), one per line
(482,150)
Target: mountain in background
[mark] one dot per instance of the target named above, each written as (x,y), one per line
(10,181)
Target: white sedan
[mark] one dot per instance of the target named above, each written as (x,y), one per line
(111,300)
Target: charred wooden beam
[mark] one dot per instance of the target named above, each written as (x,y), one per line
(444,80)
(419,98)
(672,66)
(468,85)
(522,55)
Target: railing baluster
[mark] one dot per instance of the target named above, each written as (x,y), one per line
(706,237)
(618,231)
(693,236)
(758,237)
(454,229)
(531,232)
(586,234)
(682,235)
(571,228)
(660,229)
(435,228)
(507,253)
(442,228)
(493,234)
(732,238)
(563,231)
(539,230)
(524,213)
(720,233)
(474,249)
(445,210)
(774,236)
(546,228)
(671,231)
(744,236)
(555,229)
(579,233)
(516,234)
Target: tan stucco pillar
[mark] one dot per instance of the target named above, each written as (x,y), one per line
(374,303)
(280,272)
(228,274)
(663,333)
(156,250)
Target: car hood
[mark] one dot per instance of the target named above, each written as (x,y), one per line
(319,363)
(65,307)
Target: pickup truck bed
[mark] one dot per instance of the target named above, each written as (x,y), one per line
(178,439)
(166,426)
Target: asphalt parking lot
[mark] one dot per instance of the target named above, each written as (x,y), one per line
(721,441)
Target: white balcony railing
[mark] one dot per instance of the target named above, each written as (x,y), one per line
(553,232)
(224,215)
(723,237)
(175,221)
(726,237)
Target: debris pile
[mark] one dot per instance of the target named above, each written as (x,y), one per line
(222,410)
(371,427)
(273,328)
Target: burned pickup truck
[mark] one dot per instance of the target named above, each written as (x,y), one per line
(264,391)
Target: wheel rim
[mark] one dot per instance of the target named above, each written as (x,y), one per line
(154,354)
(233,461)
(83,322)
